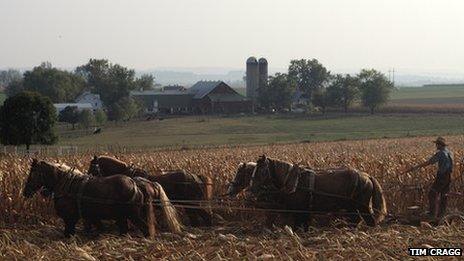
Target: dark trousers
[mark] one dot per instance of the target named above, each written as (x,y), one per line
(439,191)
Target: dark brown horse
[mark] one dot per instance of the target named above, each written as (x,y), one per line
(113,198)
(303,191)
(242,178)
(182,187)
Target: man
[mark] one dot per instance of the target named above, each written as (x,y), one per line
(441,185)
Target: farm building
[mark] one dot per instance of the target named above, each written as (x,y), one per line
(80,106)
(205,97)
(88,97)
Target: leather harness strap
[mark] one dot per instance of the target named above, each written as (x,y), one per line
(80,192)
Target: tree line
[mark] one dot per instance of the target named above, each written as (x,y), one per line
(309,81)
(112,82)
(29,117)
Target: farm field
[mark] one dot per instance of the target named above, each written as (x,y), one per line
(429,97)
(30,230)
(198,131)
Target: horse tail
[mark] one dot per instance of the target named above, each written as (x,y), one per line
(379,204)
(169,211)
(207,187)
(150,214)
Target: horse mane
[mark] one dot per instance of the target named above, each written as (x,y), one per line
(281,165)
(117,161)
(65,168)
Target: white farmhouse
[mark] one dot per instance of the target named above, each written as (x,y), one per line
(93,99)
(80,106)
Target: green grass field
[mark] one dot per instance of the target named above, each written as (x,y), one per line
(429,95)
(195,131)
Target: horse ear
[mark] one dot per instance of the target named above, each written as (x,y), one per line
(95,157)
(34,161)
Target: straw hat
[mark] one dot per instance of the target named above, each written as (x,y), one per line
(440,141)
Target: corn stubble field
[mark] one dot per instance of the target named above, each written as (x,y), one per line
(30,230)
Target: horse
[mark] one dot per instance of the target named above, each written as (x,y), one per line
(242,178)
(186,188)
(117,198)
(302,191)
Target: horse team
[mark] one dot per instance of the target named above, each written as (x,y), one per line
(114,190)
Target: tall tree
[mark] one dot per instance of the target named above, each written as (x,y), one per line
(321,99)
(9,76)
(343,90)
(145,82)
(27,118)
(60,86)
(124,109)
(86,118)
(70,115)
(14,88)
(309,75)
(100,117)
(278,92)
(375,88)
(111,81)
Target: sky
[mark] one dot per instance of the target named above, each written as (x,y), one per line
(416,36)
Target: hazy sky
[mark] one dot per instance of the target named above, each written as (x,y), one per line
(345,35)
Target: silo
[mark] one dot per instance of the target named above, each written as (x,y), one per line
(252,78)
(263,72)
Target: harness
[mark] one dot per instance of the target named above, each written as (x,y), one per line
(80,194)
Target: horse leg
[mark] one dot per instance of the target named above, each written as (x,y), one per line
(193,215)
(87,226)
(367,215)
(70,226)
(353,216)
(121,222)
(301,220)
(270,219)
(205,216)
(141,224)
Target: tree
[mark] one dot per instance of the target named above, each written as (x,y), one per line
(60,86)
(100,117)
(125,109)
(309,75)
(375,88)
(9,76)
(14,88)
(145,82)
(343,91)
(278,92)
(27,118)
(70,114)
(111,81)
(321,99)
(86,118)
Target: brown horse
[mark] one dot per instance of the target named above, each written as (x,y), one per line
(303,191)
(113,198)
(242,178)
(186,188)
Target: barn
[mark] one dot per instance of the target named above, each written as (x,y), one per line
(204,97)
(217,97)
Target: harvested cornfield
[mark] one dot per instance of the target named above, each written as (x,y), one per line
(31,230)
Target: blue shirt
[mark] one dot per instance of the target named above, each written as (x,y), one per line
(445,161)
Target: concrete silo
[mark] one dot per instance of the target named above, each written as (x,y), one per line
(252,78)
(263,72)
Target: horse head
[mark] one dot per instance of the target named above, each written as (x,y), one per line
(94,168)
(261,174)
(35,180)
(242,178)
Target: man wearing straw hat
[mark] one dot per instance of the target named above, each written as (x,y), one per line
(441,185)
